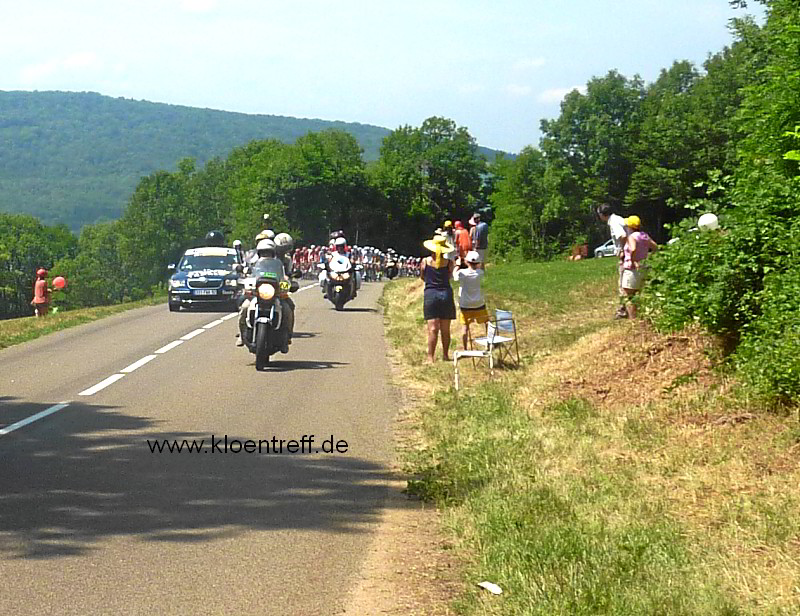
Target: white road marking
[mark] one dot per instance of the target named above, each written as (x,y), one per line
(311,286)
(169,347)
(138,364)
(29,420)
(232,315)
(101,385)
(191,335)
(212,324)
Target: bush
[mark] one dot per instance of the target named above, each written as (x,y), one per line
(769,352)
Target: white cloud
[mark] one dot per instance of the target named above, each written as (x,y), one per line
(73,63)
(198,6)
(517,90)
(528,64)
(556,95)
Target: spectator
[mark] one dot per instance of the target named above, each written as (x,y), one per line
(447,227)
(438,305)
(41,293)
(480,237)
(619,233)
(470,297)
(637,246)
(463,242)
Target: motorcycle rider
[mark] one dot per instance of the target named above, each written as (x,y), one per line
(252,255)
(266,249)
(340,250)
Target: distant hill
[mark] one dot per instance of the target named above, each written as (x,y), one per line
(77,157)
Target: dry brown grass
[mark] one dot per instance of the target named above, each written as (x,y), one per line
(727,472)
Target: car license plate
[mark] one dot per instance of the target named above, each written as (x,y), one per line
(205,292)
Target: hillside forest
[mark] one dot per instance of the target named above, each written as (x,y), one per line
(723,137)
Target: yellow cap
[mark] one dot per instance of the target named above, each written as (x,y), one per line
(633,222)
(447,224)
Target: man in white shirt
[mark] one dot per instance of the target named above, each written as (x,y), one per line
(619,233)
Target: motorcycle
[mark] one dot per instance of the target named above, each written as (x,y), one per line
(343,280)
(266,334)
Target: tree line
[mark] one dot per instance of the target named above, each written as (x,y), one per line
(317,184)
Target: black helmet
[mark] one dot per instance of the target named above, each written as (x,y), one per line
(215,238)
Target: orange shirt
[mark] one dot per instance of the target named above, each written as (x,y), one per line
(41,294)
(463,243)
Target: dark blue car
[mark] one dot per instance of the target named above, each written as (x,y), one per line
(205,277)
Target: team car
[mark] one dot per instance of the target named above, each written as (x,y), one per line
(205,277)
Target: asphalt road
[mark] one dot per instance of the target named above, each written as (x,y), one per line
(92,522)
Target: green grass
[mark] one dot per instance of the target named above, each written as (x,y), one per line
(549,285)
(16,331)
(571,539)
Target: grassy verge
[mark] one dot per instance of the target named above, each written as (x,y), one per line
(614,473)
(15,331)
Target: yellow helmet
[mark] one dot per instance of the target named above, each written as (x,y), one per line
(266,234)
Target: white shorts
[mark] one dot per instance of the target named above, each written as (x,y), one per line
(632,280)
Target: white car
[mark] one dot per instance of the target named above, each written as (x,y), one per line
(606,250)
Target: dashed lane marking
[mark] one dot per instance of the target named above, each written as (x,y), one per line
(101,385)
(36,417)
(169,347)
(138,364)
(191,335)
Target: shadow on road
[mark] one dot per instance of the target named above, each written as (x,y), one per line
(304,334)
(88,473)
(287,365)
(346,309)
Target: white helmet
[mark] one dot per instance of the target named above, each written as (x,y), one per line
(284,241)
(340,241)
(237,243)
(266,234)
(265,246)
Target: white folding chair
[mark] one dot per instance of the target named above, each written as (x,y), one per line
(474,355)
(501,334)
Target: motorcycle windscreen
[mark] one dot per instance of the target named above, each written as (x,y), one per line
(269,268)
(340,264)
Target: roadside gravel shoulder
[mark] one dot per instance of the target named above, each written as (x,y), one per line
(410,567)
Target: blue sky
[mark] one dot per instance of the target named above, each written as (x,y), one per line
(497,67)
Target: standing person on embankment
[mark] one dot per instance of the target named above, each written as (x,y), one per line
(438,306)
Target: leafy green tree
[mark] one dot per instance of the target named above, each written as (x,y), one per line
(428,174)
(519,229)
(591,143)
(97,274)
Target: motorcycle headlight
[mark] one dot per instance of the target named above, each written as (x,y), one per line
(266,291)
(335,276)
(230,282)
(345,276)
(176,283)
